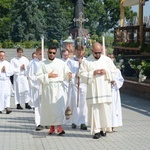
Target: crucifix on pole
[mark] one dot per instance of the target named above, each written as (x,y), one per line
(80,20)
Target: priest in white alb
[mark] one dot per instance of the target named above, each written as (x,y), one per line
(96,71)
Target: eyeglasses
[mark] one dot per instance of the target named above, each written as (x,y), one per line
(97,53)
(52,53)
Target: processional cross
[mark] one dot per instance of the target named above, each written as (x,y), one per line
(80,20)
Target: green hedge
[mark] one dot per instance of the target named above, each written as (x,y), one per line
(25,44)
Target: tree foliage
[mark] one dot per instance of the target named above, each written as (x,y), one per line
(29,22)
(57,20)
(5,19)
(104,15)
(22,20)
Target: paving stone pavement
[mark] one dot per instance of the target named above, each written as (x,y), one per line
(17,131)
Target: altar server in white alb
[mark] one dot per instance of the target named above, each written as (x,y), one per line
(6,70)
(117,83)
(51,73)
(66,83)
(21,85)
(30,89)
(36,87)
(96,72)
(78,101)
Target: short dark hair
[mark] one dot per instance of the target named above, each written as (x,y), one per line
(39,49)
(52,47)
(79,47)
(33,53)
(19,49)
(2,51)
(64,50)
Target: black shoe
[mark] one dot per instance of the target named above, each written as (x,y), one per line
(8,111)
(102,133)
(61,133)
(0,112)
(27,106)
(39,127)
(19,106)
(73,126)
(96,136)
(83,127)
(33,110)
(47,127)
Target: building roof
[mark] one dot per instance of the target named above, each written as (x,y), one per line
(132,2)
(69,40)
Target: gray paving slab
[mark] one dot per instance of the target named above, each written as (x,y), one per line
(17,131)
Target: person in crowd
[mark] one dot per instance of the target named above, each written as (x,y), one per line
(117,83)
(97,72)
(6,70)
(34,57)
(20,81)
(65,55)
(66,59)
(12,89)
(36,87)
(78,101)
(51,73)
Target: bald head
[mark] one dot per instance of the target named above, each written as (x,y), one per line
(97,50)
(97,47)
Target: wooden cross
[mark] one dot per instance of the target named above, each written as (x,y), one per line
(80,20)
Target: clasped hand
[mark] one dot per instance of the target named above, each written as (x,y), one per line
(52,75)
(22,67)
(3,69)
(99,72)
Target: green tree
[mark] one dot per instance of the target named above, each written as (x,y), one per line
(93,13)
(28,19)
(57,21)
(110,15)
(5,19)
(29,22)
(104,15)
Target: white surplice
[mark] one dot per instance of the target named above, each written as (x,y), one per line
(36,89)
(52,100)
(99,96)
(5,84)
(116,100)
(78,95)
(30,87)
(21,84)
(67,85)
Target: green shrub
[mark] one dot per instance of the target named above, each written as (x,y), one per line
(145,48)
(0,45)
(28,44)
(25,44)
(146,68)
(131,44)
(7,44)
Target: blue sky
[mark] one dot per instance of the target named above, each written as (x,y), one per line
(146,9)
